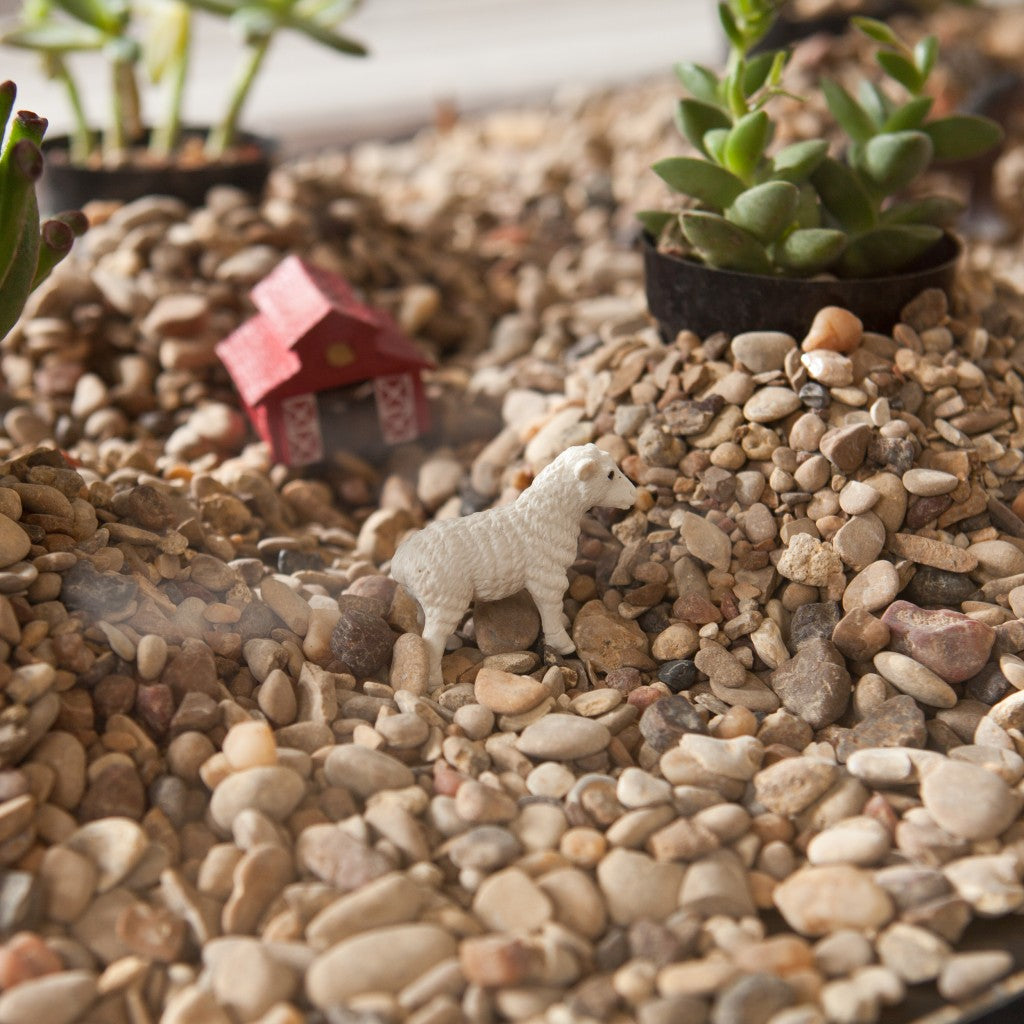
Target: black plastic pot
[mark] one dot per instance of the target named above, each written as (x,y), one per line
(685,295)
(68,186)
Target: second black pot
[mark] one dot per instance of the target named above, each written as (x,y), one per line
(685,295)
(68,186)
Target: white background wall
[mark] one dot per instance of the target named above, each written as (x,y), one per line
(473,53)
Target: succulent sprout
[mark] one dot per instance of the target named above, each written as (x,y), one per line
(28,250)
(799,211)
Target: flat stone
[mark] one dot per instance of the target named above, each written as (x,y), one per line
(928,482)
(860,636)
(512,624)
(506,693)
(14,542)
(911,677)
(990,883)
(636,886)
(114,845)
(339,859)
(819,900)
(769,404)
(54,998)
(896,722)
(706,541)
(996,559)
(762,351)
(874,587)
(937,588)
(859,541)
(363,771)
(936,553)
(815,620)
(845,447)
(391,899)
(969,801)
(720,666)
(969,974)
(272,790)
(382,960)
(563,738)
(269,980)
(510,901)
(608,641)
(861,840)
(791,785)
(915,954)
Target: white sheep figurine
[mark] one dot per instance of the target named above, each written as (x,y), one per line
(495,553)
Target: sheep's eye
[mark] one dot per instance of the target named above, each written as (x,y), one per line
(611,474)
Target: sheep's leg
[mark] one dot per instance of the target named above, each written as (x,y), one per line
(439,624)
(547,596)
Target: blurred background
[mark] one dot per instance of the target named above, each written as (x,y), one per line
(425,55)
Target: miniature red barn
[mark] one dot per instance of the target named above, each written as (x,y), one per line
(309,362)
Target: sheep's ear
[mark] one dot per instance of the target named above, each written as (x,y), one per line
(586,470)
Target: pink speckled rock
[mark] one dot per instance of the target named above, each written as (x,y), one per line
(952,645)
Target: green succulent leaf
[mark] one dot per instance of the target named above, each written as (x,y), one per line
(810,250)
(894,159)
(843,195)
(109,16)
(904,71)
(926,51)
(797,161)
(723,244)
(55,37)
(887,249)
(699,81)
(808,210)
(708,183)
(877,30)
(729,26)
(852,117)
(941,211)
(756,71)
(909,116)
(875,102)
(746,143)
(765,210)
(962,136)
(654,221)
(695,119)
(714,144)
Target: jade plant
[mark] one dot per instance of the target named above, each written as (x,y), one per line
(799,210)
(154,37)
(28,250)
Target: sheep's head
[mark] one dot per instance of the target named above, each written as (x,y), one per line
(604,482)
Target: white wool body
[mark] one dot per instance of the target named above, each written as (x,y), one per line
(528,544)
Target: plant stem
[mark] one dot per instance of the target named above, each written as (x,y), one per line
(82,140)
(165,138)
(126,124)
(223,136)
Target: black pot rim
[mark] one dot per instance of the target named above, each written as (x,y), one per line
(949,246)
(266,145)
(683,294)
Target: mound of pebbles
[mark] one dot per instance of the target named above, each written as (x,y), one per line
(777,784)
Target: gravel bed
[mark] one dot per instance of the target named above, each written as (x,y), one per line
(779,782)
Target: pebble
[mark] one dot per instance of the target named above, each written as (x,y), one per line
(814,684)
(928,482)
(770,404)
(809,561)
(563,738)
(364,772)
(667,720)
(969,801)
(822,899)
(381,960)
(833,329)
(272,790)
(55,998)
(506,693)
(964,975)
(862,841)
(911,677)
(14,542)
(636,887)
(951,644)
(791,785)
(874,587)
(762,351)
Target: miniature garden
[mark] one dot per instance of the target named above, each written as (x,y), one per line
(737,736)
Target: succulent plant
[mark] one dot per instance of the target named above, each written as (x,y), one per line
(798,210)
(155,36)
(28,250)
